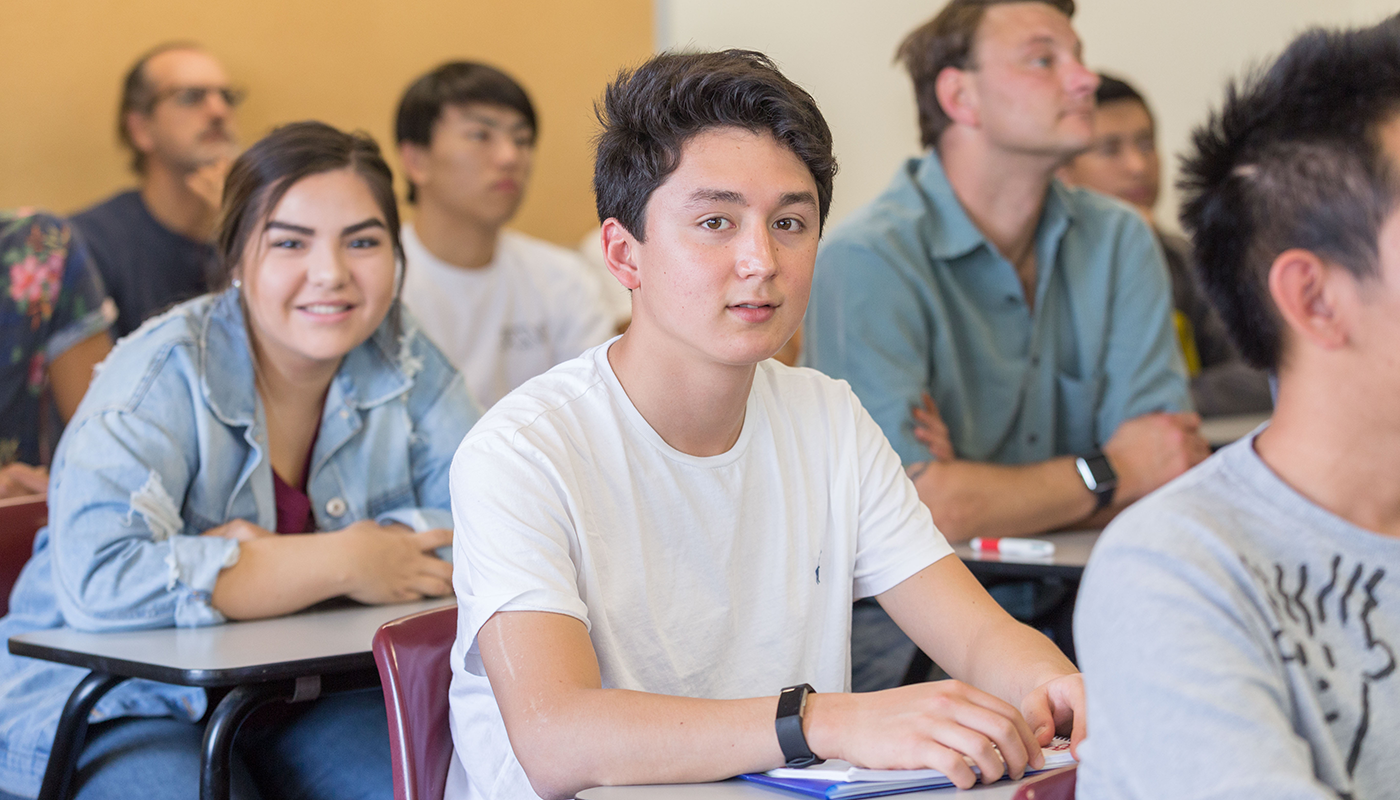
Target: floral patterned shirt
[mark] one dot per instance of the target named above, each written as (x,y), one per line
(51,298)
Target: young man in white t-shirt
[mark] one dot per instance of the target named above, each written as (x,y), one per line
(502,306)
(658,538)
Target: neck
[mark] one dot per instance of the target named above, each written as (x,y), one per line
(1338,444)
(174,205)
(1002,192)
(696,407)
(462,243)
(287,385)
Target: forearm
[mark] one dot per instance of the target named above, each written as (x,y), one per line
(277,575)
(605,737)
(1009,659)
(971,499)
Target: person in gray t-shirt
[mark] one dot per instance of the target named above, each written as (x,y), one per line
(1238,629)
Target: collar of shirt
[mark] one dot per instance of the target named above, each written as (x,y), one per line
(952,234)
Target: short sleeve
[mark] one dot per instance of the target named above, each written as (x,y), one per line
(1173,659)
(1143,366)
(83,308)
(514,544)
(897,536)
(866,324)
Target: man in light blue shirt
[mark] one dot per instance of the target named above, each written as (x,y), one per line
(1011,336)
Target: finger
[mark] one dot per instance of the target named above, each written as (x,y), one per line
(1003,732)
(948,761)
(1023,744)
(972,743)
(429,586)
(434,567)
(930,406)
(433,538)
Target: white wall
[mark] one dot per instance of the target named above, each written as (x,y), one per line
(1179,53)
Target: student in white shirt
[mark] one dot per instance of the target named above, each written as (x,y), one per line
(656,538)
(502,306)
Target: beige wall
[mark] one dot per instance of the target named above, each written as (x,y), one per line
(1179,52)
(343,62)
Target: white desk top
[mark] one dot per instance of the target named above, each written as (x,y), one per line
(743,790)
(307,636)
(1220,431)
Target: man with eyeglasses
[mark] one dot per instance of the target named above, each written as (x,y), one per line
(151,244)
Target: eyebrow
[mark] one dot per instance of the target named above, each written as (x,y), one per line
(518,125)
(372,222)
(701,197)
(797,198)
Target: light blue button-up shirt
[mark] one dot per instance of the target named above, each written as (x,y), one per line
(909,297)
(169,442)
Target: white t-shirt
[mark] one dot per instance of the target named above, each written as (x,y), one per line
(720,577)
(532,307)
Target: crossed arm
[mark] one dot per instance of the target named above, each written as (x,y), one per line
(569,733)
(970,498)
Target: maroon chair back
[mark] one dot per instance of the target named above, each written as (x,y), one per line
(412,655)
(20,519)
(1055,786)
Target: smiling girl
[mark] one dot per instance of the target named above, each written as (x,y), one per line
(248,454)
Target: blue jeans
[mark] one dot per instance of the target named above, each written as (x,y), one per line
(335,747)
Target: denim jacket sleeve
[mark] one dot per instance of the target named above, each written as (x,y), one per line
(124,557)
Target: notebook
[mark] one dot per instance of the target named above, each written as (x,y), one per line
(838,780)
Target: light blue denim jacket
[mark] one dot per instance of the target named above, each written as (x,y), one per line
(170,442)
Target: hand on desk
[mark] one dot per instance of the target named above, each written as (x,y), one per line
(1056,708)
(929,725)
(17,480)
(395,565)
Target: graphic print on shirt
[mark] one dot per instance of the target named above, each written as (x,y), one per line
(1323,614)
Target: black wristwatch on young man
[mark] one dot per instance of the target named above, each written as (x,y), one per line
(792,705)
(1098,476)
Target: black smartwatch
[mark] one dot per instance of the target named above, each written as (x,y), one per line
(792,703)
(1099,476)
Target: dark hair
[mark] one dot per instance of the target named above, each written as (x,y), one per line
(456,83)
(261,176)
(1293,160)
(139,95)
(649,113)
(1113,89)
(942,42)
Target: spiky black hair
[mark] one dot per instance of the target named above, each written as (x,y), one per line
(1293,159)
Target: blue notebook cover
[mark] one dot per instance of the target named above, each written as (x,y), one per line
(845,790)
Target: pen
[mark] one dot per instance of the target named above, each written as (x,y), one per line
(1007,546)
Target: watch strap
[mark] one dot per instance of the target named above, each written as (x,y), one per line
(792,705)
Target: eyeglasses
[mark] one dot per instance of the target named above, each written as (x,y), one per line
(194,96)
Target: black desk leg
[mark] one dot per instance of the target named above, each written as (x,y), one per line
(228,717)
(72,734)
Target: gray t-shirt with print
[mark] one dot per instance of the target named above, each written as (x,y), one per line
(1238,640)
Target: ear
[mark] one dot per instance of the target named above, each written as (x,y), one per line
(1313,297)
(138,127)
(956,94)
(620,253)
(414,158)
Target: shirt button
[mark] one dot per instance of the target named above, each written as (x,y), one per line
(1032,439)
(335,507)
(345,413)
(1035,361)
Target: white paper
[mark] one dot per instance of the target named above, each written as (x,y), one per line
(1056,755)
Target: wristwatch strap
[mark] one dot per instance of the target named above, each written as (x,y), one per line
(792,705)
(1098,476)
